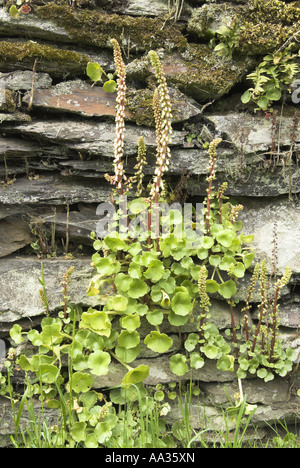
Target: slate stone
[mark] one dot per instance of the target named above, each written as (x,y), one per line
(19,285)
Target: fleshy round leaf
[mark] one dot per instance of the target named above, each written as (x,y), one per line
(155,271)
(94,71)
(197,361)
(226,363)
(155,317)
(15,334)
(99,362)
(207,242)
(178,364)
(182,303)
(117,303)
(226,237)
(130,322)
(110,86)
(211,286)
(81,382)
(123,282)
(158,342)
(97,322)
(210,351)
(228,289)
(127,355)
(136,375)
(138,288)
(48,373)
(129,339)
(78,431)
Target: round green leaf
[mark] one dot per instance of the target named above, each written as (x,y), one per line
(210,351)
(226,237)
(211,286)
(137,206)
(197,361)
(138,288)
(136,375)
(94,71)
(191,342)
(239,270)
(123,282)
(226,262)
(53,404)
(97,322)
(130,322)
(248,259)
(178,364)
(117,303)
(182,303)
(158,342)
(214,260)
(134,271)
(177,320)
(15,334)
(14,12)
(226,363)
(78,431)
(228,289)
(155,317)
(128,355)
(110,86)
(114,243)
(129,339)
(106,266)
(99,362)
(207,242)
(48,373)
(155,271)
(274,94)
(81,382)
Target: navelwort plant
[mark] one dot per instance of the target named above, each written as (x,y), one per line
(160,278)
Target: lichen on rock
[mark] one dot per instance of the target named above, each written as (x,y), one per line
(59,62)
(197,71)
(97,28)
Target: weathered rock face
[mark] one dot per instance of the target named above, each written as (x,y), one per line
(57,136)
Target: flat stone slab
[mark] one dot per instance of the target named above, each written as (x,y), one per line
(263,219)
(19,285)
(254,133)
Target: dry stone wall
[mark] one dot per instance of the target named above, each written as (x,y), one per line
(56,144)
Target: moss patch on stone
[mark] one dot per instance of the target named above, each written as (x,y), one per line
(264,25)
(97,28)
(9,103)
(56,61)
(197,72)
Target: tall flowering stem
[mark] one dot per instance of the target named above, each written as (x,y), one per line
(204,299)
(212,164)
(119,178)
(163,116)
(141,162)
(264,301)
(279,285)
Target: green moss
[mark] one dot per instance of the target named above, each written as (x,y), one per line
(9,105)
(267,24)
(203,75)
(197,72)
(97,28)
(140,106)
(51,59)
